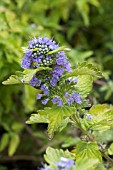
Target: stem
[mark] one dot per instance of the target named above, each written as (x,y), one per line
(76,118)
(101,83)
(5,158)
(105,155)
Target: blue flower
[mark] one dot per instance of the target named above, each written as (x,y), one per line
(70,80)
(61,58)
(75,80)
(39,54)
(66,94)
(89,116)
(46,168)
(74,97)
(45,89)
(68,66)
(26,62)
(58,101)
(65,164)
(59,70)
(39,96)
(54,81)
(35,82)
(44,102)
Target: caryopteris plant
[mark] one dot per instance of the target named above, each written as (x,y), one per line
(63,91)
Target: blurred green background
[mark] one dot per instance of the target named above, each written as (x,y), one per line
(85,26)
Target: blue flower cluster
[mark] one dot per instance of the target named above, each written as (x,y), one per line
(40,53)
(64,164)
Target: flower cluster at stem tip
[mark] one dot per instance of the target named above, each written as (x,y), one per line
(43,52)
(64,164)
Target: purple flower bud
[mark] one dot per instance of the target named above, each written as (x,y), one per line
(77,98)
(68,66)
(66,94)
(75,80)
(74,97)
(58,70)
(60,102)
(70,101)
(26,62)
(22,80)
(55,100)
(45,89)
(39,96)
(89,116)
(44,102)
(35,82)
(54,81)
(65,164)
(46,168)
(68,80)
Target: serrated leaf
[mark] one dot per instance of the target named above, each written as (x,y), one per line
(84,85)
(28,74)
(58,50)
(110,150)
(87,150)
(14,79)
(102,117)
(23,77)
(53,156)
(38,118)
(55,116)
(14,142)
(85,74)
(86,164)
(4,141)
(85,69)
(63,124)
(70,141)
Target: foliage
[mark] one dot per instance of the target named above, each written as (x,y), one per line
(78,25)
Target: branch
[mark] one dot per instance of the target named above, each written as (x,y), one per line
(101,83)
(105,155)
(5,158)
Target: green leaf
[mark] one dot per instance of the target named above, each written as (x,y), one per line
(87,150)
(84,10)
(85,164)
(53,116)
(85,74)
(38,118)
(56,116)
(110,150)
(26,76)
(79,56)
(14,79)
(58,50)
(70,141)
(84,85)
(102,117)
(17,127)
(63,124)
(4,141)
(85,69)
(29,99)
(53,155)
(14,142)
